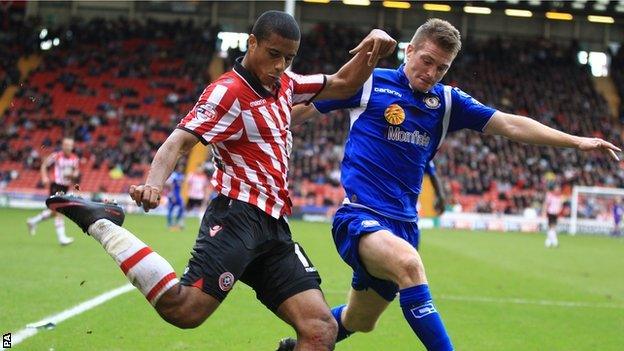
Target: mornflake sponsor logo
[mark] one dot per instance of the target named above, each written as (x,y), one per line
(415,137)
(387,91)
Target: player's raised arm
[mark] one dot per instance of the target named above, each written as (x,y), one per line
(529,131)
(179,143)
(303,113)
(353,74)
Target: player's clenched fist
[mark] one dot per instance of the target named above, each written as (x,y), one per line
(380,44)
(146,196)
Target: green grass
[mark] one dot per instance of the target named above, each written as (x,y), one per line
(495,291)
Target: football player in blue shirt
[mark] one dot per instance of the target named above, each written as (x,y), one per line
(174,199)
(399,119)
(618,213)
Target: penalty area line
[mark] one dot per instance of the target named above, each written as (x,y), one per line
(32,329)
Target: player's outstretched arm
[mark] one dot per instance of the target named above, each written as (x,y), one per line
(353,74)
(529,131)
(178,143)
(303,113)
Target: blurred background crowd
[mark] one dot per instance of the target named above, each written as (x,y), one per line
(119,87)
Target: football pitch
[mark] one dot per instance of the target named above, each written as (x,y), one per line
(495,291)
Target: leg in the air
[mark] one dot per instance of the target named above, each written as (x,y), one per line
(182,306)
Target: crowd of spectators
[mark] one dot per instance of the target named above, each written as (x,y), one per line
(17,39)
(617,73)
(122,68)
(537,78)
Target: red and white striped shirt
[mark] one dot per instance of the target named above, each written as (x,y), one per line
(64,167)
(249,128)
(197,186)
(553,203)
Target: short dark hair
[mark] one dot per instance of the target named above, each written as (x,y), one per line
(277,22)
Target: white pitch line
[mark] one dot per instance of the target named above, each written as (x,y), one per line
(31,328)
(514,300)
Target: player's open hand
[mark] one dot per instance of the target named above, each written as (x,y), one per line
(146,196)
(379,44)
(589,144)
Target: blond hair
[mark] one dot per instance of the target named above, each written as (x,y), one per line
(439,32)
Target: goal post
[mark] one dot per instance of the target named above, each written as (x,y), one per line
(588,190)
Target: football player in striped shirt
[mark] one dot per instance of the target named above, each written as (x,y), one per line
(245,116)
(405,113)
(66,171)
(199,191)
(553,204)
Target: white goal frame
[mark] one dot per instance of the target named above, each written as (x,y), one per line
(587,190)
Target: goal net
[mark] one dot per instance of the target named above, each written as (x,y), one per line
(591,209)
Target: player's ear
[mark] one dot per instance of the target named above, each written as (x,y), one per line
(252,42)
(409,51)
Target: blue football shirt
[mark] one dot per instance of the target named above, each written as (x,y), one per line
(394,133)
(175,181)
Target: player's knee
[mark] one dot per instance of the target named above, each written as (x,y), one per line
(410,271)
(320,331)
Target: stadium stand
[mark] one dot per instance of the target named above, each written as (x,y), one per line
(120,91)
(511,75)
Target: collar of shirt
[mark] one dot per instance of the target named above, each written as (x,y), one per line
(253,81)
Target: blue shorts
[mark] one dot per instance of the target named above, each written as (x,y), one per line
(350,223)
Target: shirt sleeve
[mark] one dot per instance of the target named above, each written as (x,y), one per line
(325,106)
(214,118)
(306,88)
(467,112)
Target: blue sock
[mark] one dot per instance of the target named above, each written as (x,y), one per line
(343,333)
(424,319)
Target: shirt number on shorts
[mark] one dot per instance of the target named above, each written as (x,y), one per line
(304,259)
